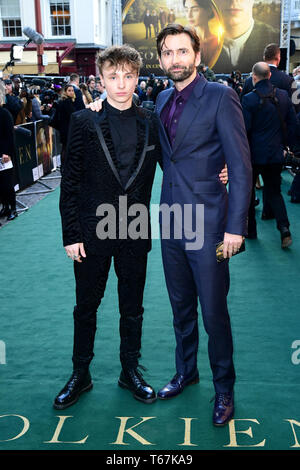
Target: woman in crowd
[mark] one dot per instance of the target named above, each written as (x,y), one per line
(86,96)
(61,119)
(198,13)
(37,114)
(7,155)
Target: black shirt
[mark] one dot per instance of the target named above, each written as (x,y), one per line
(123,130)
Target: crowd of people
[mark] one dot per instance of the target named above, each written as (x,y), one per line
(23,101)
(55,103)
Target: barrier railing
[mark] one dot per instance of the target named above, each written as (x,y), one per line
(37,155)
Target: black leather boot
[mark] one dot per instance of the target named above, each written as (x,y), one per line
(79,382)
(132,379)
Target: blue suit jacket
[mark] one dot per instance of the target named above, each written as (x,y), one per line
(263,124)
(210,133)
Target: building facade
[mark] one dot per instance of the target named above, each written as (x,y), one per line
(74,31)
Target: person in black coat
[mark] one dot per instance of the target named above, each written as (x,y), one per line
(271,123)
(281,80)
(74,80)
(147,22)
(61,119)
(111,157)
(7,155)
(12,102)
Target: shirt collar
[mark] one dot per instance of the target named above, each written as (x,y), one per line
(121,113)
(187,91)
(240,41)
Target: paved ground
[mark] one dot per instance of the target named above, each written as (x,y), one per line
(34,193)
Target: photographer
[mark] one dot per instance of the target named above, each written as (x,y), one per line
(7,154)
(268,112)
(12,103)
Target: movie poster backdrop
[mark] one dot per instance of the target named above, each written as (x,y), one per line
(233,33)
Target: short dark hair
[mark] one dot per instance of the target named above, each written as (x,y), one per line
(271,51)
(74,76)
(120,55)
(172,30)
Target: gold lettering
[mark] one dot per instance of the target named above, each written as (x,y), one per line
(24,430)
(233,433)
(24,154)
(27,149)
(292,422)
(130,431)
(57,432)
(187,432)
(21,155)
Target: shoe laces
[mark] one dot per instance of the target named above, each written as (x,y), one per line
(222,399)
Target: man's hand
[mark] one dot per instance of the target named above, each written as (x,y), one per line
(224,175)
(96,105)
(75,251)
(232,244)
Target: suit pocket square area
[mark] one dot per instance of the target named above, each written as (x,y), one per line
(150,147)
(219,251)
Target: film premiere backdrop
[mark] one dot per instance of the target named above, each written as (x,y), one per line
(37,153)
(143,19)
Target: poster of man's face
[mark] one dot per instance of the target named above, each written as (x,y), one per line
(233,33)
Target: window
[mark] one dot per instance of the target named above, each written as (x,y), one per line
(10,18)
(60,18)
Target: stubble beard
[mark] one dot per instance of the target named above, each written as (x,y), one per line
(180,76)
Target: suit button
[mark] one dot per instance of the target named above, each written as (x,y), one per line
(171,185)
(173,160)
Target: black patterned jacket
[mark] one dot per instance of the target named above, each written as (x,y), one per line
(90,179)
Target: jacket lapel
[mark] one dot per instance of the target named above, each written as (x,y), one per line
(104,135)
(165,97)
(141,147)
(189,113)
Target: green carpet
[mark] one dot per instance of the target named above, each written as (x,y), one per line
(36,334)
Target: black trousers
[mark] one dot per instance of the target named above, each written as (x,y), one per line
(91,277)
(295,189)
(7,191)
(271,175)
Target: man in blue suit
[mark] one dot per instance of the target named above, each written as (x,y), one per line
(201,129)
(271,124)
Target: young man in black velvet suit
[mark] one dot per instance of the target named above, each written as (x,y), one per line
(111,157)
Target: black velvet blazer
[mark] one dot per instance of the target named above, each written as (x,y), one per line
(90,179)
